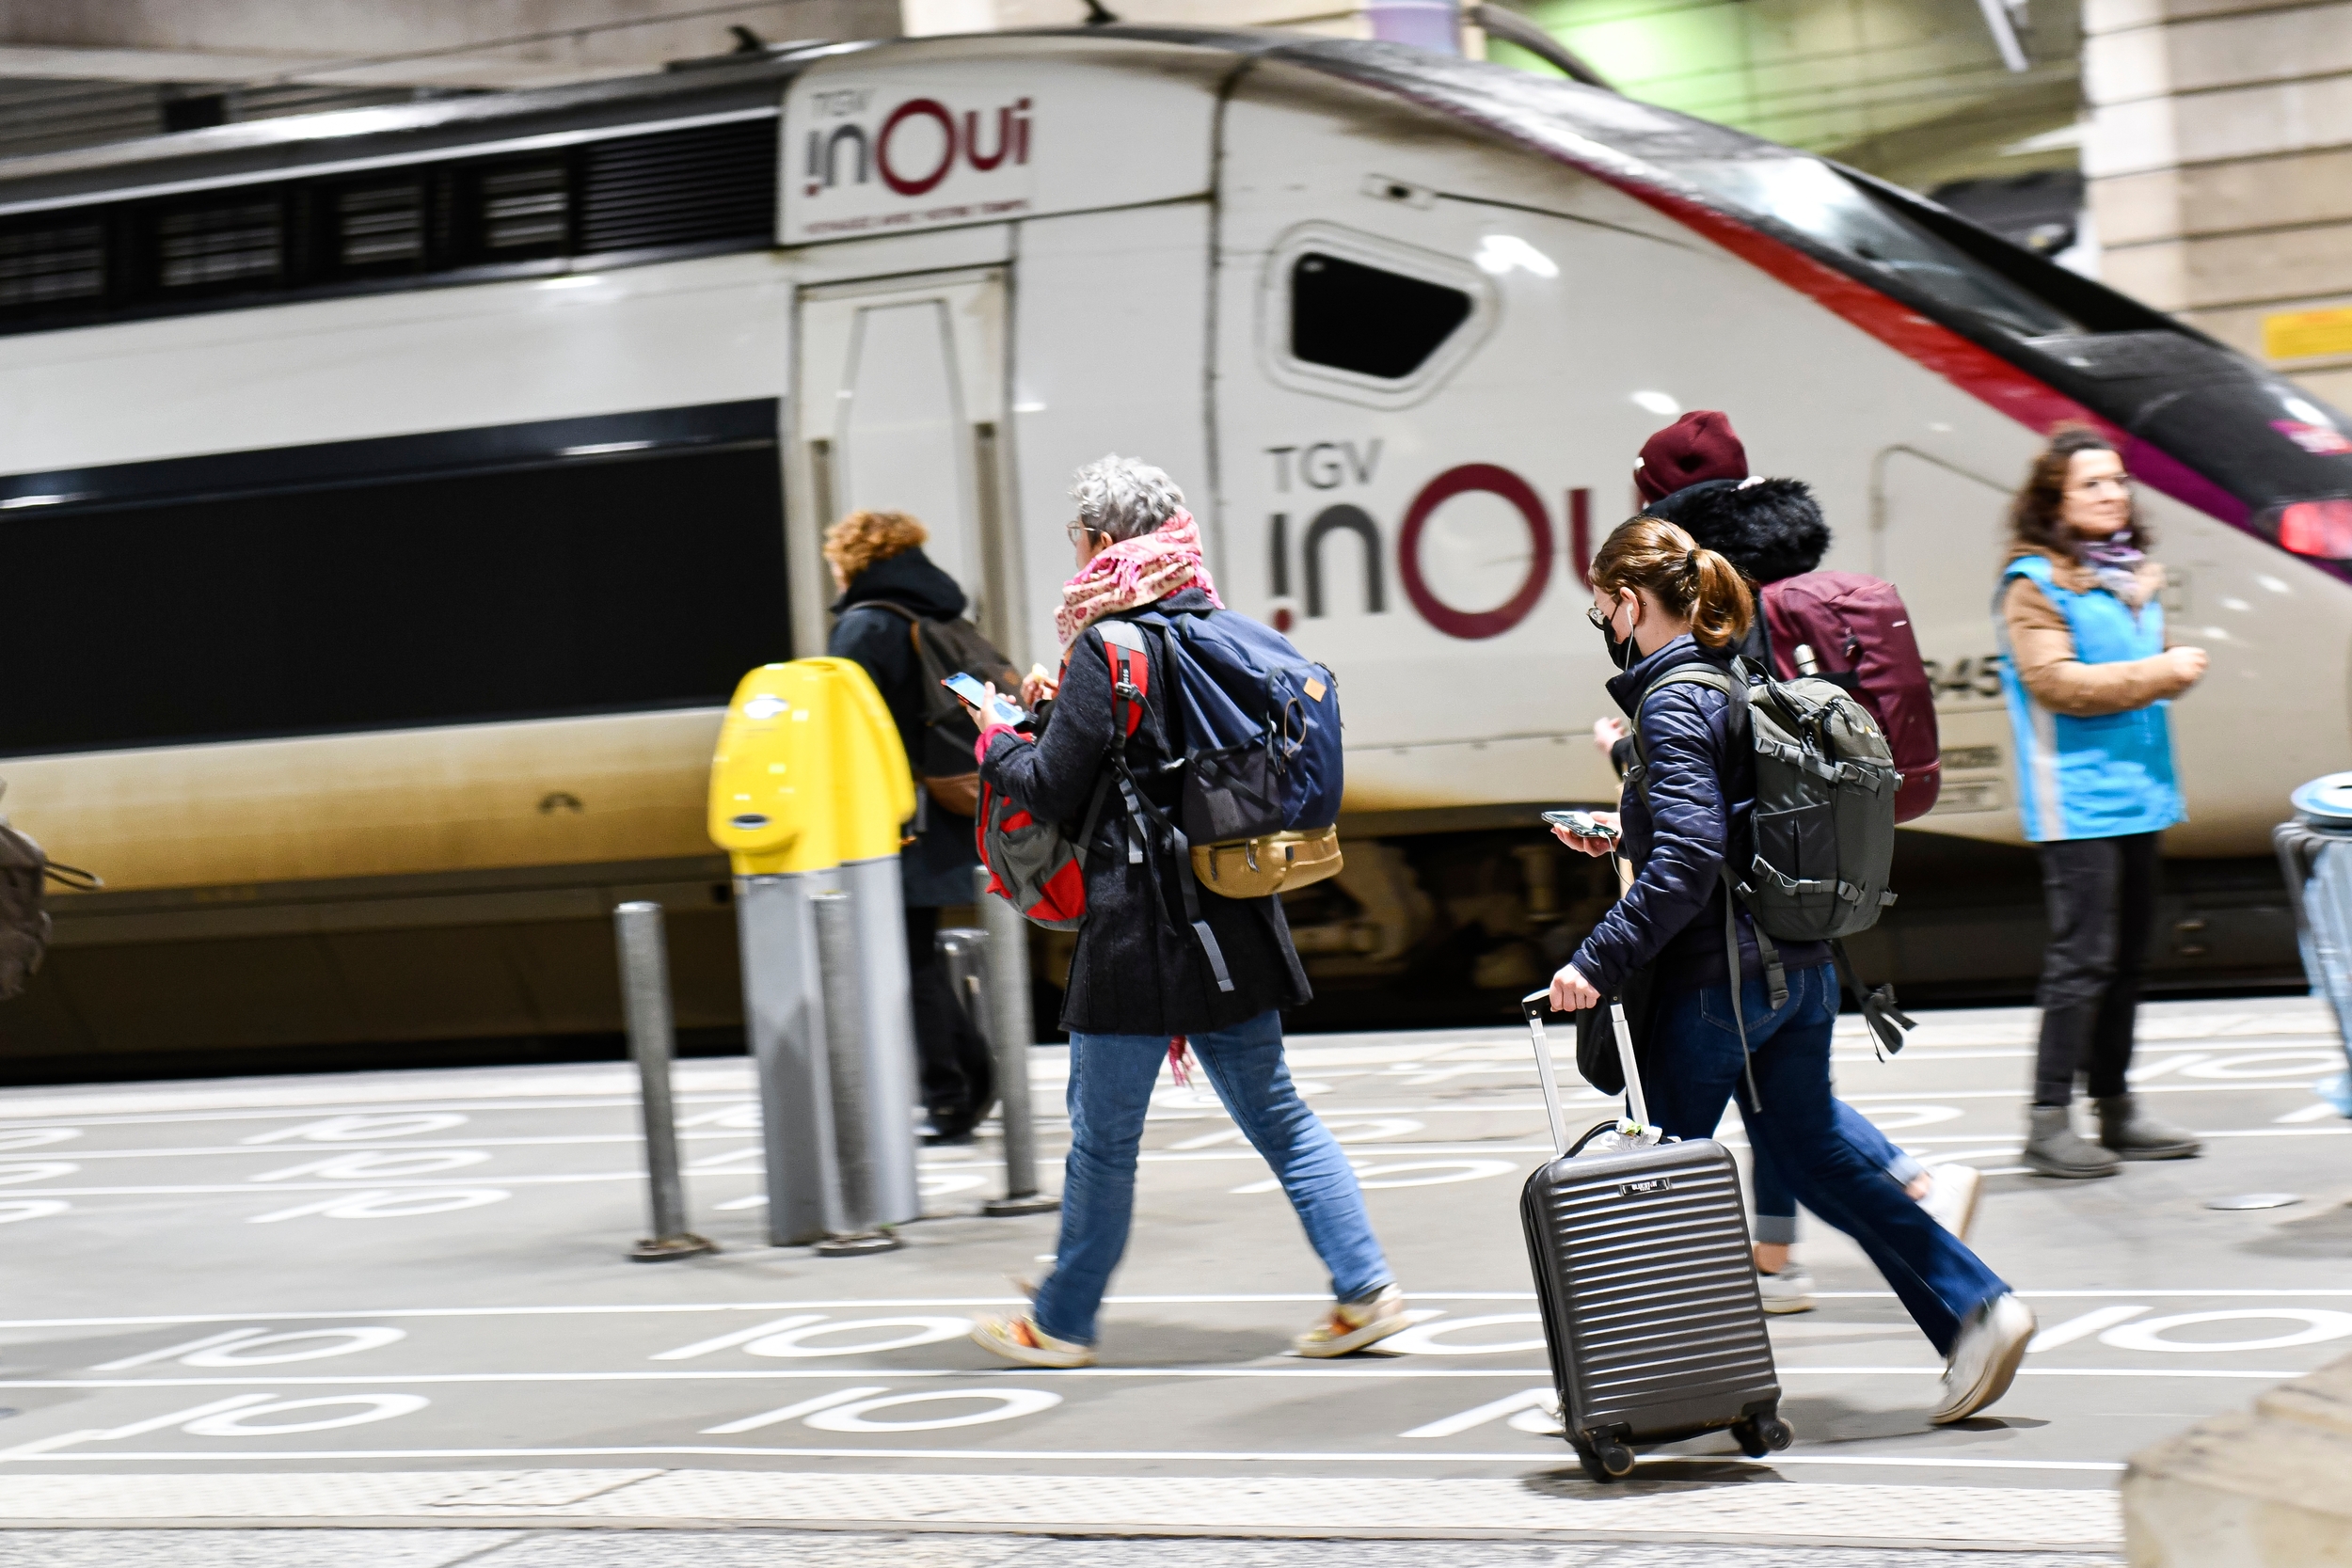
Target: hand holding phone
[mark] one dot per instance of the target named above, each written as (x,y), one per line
(988,705)
(1594,833)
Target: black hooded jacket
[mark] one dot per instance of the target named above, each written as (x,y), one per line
(936,869)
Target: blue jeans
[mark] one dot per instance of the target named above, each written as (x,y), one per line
(1110,1088)
(1939,1281)
(1776,1206)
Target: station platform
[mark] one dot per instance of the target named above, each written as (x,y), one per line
(389,1320)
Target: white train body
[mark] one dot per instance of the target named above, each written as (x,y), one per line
(995,258)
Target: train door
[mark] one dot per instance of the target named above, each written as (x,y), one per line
(1937,534)
(899,407)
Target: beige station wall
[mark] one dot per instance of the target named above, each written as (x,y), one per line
(2219,156)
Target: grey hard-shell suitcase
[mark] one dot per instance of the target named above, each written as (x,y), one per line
(1643,1269)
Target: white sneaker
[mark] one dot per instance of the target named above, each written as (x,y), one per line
(1790,1290)
(1020,1340)
(1985,1360)
(1353,1324)
(1951,1200)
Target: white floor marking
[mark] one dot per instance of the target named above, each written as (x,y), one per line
(791,1412)
(273,1349)
(1011,1404)
(389,1205)
(1427,1338)
(1006,1299)
(1539,1400)
(45,1447)
(2082,1327)
(363,1129)
(31,1208)
(2141,1073)
(38,1137)
(2300,1064)
(741,1337)
(371,1165)
(1557,1454)
(2318,1110)
(238,1423)
(36,1170)
(2150,1334)
(174,1352)
(793,1341)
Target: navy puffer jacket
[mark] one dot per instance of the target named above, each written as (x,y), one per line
(1691,812)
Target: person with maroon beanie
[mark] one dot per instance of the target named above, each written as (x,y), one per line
(1696,448)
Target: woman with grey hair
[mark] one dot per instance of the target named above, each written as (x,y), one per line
(1146,980)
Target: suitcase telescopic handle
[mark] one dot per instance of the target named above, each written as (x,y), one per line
(1534,1005)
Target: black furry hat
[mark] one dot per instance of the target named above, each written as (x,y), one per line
(1769,528)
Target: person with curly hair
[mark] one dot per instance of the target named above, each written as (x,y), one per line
(2089,674)
(885,578)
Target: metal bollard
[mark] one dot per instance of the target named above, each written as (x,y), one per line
(786,1023)
(837,964)
(646,998)
(1011,1033)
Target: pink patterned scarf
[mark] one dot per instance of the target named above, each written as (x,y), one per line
(1133,572)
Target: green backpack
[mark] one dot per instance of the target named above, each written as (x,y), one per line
(1823,827)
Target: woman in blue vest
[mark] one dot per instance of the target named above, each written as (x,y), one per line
(2088,678)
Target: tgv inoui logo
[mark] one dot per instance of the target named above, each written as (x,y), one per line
(917,144)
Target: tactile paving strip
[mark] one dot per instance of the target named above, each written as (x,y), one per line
(1979,1517)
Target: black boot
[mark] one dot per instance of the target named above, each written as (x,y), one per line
(2133,1134)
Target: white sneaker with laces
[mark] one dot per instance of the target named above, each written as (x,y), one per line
(1984,1362)
(1790,1290)
(1951,1200)
(1353,1324)
(1020,1340)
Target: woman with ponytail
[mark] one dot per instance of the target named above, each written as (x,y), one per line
(1664,604)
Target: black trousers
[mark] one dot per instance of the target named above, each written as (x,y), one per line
(959,1080)
(2102,895)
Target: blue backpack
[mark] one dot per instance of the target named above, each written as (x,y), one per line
(1258,724)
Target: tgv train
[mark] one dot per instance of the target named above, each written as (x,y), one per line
(394,496)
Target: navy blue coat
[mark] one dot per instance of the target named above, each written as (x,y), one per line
(1139,969)
(935,871)
(1690,814)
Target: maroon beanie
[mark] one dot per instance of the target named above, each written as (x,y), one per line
(1695,448)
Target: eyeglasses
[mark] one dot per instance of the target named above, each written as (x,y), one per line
(1079,533)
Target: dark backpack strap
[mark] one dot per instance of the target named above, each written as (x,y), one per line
(1880,1010)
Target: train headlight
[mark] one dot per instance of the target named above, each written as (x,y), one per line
(2320,529)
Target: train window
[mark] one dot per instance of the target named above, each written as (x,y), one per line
(1809,196)
(526,209)
(53,265)
(379,227)
(242,244)
(415,595)
(1366,319)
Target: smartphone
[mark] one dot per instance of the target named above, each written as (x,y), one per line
(1006,711)
(1582,824)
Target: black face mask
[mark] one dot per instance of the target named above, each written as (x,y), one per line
(1621,654)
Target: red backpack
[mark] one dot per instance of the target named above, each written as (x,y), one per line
(1035,866)
(1860,635)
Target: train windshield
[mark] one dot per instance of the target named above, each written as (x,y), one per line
(1811,196)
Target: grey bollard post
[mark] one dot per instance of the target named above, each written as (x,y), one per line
(1011,1033)
(646,998)
(860,1228)
(785,1021)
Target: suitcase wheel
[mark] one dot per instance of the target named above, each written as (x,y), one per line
(1606,1460)
(1761,1434)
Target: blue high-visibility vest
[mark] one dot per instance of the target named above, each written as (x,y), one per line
(2089,778)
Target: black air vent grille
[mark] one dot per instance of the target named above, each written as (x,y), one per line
(380,225)
(687,187)
(53,265)
(228,246)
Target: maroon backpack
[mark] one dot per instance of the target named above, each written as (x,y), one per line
(1861,639)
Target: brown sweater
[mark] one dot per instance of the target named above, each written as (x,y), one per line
(2041,646)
